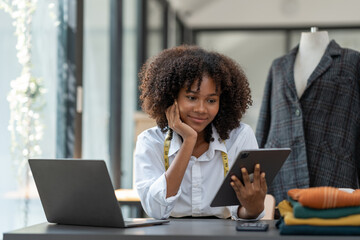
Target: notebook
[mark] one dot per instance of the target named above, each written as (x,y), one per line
(80,192)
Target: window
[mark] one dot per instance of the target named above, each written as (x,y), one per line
(16,210)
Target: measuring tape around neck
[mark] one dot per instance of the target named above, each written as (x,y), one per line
(167,143)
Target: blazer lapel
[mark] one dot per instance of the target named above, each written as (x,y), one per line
(333,49)
(288,66)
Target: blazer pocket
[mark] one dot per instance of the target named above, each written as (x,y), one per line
(272,143)
(339,164)
(337,152)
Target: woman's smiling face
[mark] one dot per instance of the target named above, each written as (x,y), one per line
(198,108)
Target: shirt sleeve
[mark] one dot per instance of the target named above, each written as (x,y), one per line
(245,139)
(150,177)
(235,217)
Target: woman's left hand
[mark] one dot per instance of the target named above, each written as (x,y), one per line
(251,195)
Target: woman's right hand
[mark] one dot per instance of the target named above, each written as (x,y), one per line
(175,123)
(177,168)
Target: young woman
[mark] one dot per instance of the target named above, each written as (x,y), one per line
(197,99)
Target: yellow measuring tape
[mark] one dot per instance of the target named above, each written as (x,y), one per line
(225,159)
(167,142)
(166,149)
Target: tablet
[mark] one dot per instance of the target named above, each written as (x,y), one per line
(270,159)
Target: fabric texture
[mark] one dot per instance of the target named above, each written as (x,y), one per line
(306,212)
(286,212)
(202,179)
(315,230)
(322,127)
(325,197)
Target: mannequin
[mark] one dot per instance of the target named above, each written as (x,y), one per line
(322,126)
(311,49)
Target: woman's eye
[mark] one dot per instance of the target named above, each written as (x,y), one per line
(212,101)
(191,97)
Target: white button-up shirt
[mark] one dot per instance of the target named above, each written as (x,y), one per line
(202,178)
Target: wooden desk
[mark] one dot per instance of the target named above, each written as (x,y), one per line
(129,197)
(177,229)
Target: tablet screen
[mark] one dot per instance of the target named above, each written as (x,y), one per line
(270,160)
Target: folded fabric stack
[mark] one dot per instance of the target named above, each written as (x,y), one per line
(320,211)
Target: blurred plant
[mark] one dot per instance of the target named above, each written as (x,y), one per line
(25,97)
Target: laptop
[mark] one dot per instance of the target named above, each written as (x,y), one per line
(80,192)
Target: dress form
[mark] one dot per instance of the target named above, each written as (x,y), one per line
(312,47)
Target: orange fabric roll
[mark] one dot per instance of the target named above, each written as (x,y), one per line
(325,197)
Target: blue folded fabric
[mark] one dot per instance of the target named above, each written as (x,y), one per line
(315,230)
(306,212)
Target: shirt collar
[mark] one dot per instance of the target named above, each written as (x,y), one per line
(217,144)
(175,143)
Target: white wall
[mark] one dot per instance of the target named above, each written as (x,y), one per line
(262,13)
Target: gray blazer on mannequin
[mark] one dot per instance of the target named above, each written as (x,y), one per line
(322,127)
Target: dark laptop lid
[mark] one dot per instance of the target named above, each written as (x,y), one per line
(77,192)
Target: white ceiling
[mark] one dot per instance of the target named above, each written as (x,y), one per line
(267,13)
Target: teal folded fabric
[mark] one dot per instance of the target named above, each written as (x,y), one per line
(315,230)
(306,212)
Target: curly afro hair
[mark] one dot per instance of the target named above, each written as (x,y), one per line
(164,75)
